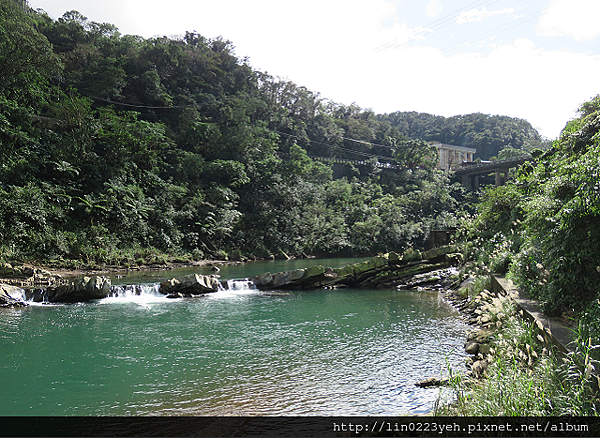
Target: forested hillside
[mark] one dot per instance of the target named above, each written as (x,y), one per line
(544,227)
(490,135)
(117,149)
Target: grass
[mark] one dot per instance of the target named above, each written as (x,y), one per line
(527,379)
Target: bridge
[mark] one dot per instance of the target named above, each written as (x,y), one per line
(470,173)
(386,163)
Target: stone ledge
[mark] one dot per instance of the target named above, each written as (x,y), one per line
(552,331)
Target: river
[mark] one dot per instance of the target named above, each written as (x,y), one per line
(241,351)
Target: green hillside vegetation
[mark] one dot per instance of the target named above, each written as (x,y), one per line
(542,228)
(542,231)
(492,136)
(117,149)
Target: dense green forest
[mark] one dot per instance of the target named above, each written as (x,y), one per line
(542,231)
(117,149)
(543,227)
(492,136)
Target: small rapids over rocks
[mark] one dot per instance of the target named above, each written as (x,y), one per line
(137,293)
(241,285)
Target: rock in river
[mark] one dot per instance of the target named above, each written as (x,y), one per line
(189,285)
(385,270)
(80,289)
(6,300)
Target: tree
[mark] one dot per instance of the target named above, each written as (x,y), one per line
(27,61)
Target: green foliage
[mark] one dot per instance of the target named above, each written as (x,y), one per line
(488,134)
(27,61)
(116,149)
(529,378)
(521,381)
(544,227)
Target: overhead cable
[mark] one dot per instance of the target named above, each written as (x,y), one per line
(435,25)
(501,29)
(364,154)
(134,105)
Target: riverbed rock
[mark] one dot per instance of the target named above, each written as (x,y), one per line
(480,336)
(478,368)
(72,291)
(7,299)
(80,289)
(471,347)
(188,285)
(175,295)
(432,381)
(386,270)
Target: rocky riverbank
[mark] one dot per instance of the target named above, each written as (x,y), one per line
(391,270)
(488,311)
(413,269)
(64,285)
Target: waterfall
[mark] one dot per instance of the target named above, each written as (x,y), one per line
(237,285)
(141,294)
(134,290)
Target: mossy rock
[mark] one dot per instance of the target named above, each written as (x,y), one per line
(6,269)
(438,252)
(412,256)
(345,271)
(313,271)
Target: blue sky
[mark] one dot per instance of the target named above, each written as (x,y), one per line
(533,59)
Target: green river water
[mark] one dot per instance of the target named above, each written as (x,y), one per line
(233,352)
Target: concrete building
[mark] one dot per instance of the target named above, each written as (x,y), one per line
(451,156)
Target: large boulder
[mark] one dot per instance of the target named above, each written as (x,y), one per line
(6,298)
(438,253)
(80,289)
(385,270)
(189,285)
(307,278)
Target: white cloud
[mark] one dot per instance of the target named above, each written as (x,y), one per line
(480,14)
(577,19)
(433,9)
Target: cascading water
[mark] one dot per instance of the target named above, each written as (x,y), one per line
(234,288)
(131,290)
(19,294)
(240,285)
(141,294)
(148,293)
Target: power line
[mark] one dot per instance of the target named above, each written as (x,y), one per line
(278,132)
(343,138)
(447,22)
(440,23)
(136,106)
(501,29)
(364,154)
(368,143)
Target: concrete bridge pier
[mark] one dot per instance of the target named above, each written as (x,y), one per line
(471,182)
(470,174)
(501,177)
